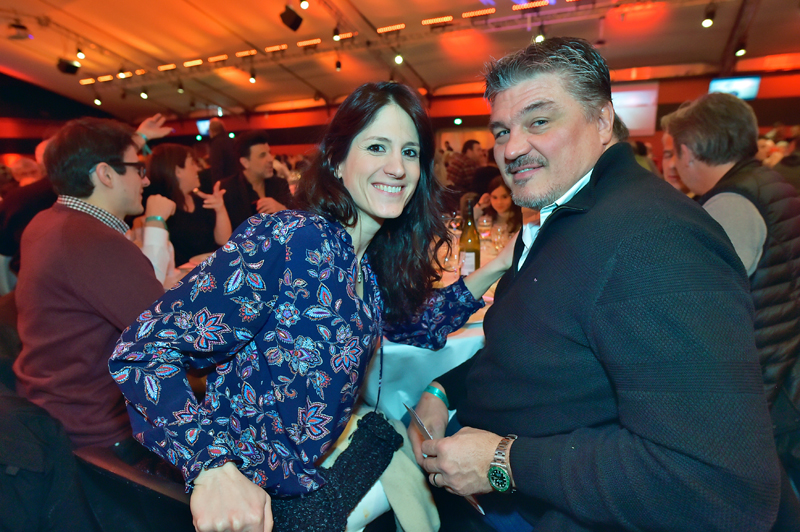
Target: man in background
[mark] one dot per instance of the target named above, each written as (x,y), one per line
(462,166)
(716,146)
(83,281)
(256,188)
(222,152)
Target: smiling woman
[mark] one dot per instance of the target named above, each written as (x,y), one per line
(289,313)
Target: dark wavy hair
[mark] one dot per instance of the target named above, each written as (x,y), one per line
(403,252)
(161,172)
(515,220)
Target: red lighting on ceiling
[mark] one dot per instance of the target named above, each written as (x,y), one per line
(479,13)
(123,75)
(216,58)
(387,29)
(246,53)
(276,48)
(310,42)
(192,63)
(348,35)
(531,5)
(437,20)
(107,77)
(163,68)
(87,81)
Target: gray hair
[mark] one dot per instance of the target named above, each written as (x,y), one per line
(583,71)
(719,128)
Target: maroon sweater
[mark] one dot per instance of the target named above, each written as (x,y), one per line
(82,284)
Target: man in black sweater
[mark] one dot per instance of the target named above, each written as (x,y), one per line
(619,388)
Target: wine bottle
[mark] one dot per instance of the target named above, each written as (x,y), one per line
(470,242)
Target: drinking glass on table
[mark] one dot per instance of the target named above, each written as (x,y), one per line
(500,236)
(484,226)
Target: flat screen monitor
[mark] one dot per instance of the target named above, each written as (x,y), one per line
(744,88)
(636,104)
(202,127)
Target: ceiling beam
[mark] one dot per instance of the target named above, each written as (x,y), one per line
(738,34)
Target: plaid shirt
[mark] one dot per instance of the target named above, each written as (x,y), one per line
(104,216)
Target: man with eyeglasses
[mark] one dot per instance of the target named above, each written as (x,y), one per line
(83,281)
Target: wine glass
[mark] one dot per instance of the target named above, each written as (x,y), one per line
(500,236)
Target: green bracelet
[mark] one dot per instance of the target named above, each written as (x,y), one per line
(145,148)
(156,219)
(433,390)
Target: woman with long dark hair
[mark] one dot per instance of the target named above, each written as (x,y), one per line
(289,313)
(200,223)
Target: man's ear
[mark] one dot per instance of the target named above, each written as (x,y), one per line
(685,154)
(245,162)
(605,123)
(102,176)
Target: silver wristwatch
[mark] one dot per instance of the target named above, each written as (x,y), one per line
(499,471)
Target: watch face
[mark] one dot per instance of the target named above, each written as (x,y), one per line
(498,478)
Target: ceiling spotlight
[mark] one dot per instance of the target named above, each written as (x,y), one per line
(336,33)
(708,15)
(398,59)
(180,87)
(121,73)
(304,4)
(143,94)
(291,19)
(68,66)
(458,121)
(97,101)
(540,37)
(741,49)
(338,66)
(252,75)
(18,31)
(219,111)
(80,54)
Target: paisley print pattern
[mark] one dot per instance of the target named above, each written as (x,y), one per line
(275,316)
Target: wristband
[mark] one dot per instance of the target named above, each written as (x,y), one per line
(156,219)
(145,148)
(433,390)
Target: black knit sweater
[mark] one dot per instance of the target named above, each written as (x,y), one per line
(617,354)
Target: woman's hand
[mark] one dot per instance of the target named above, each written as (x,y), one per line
(224,500)
(434,415)
(214,200)
(153,128)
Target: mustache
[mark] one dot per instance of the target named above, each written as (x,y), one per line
(524,160)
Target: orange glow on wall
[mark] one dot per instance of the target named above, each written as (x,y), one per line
(530,5)
(276,48)
(387,29)
(310,42)
(479,13)
(192,63)
(171,66)
(217,58)
(437,20)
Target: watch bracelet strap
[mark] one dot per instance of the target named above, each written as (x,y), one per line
(501,457)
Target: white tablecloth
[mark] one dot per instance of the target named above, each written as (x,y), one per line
(408,370)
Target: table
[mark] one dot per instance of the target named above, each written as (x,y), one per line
(407,370)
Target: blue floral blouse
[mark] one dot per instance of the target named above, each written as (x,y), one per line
(275,311)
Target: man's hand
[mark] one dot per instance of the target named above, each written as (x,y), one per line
(433,413)
(153,128)
(269,206)
(225,500)
(214,200)
(158,205)
(461,462)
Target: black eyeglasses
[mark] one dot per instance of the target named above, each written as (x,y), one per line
(140,167)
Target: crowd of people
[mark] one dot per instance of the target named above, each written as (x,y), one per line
(639,370)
